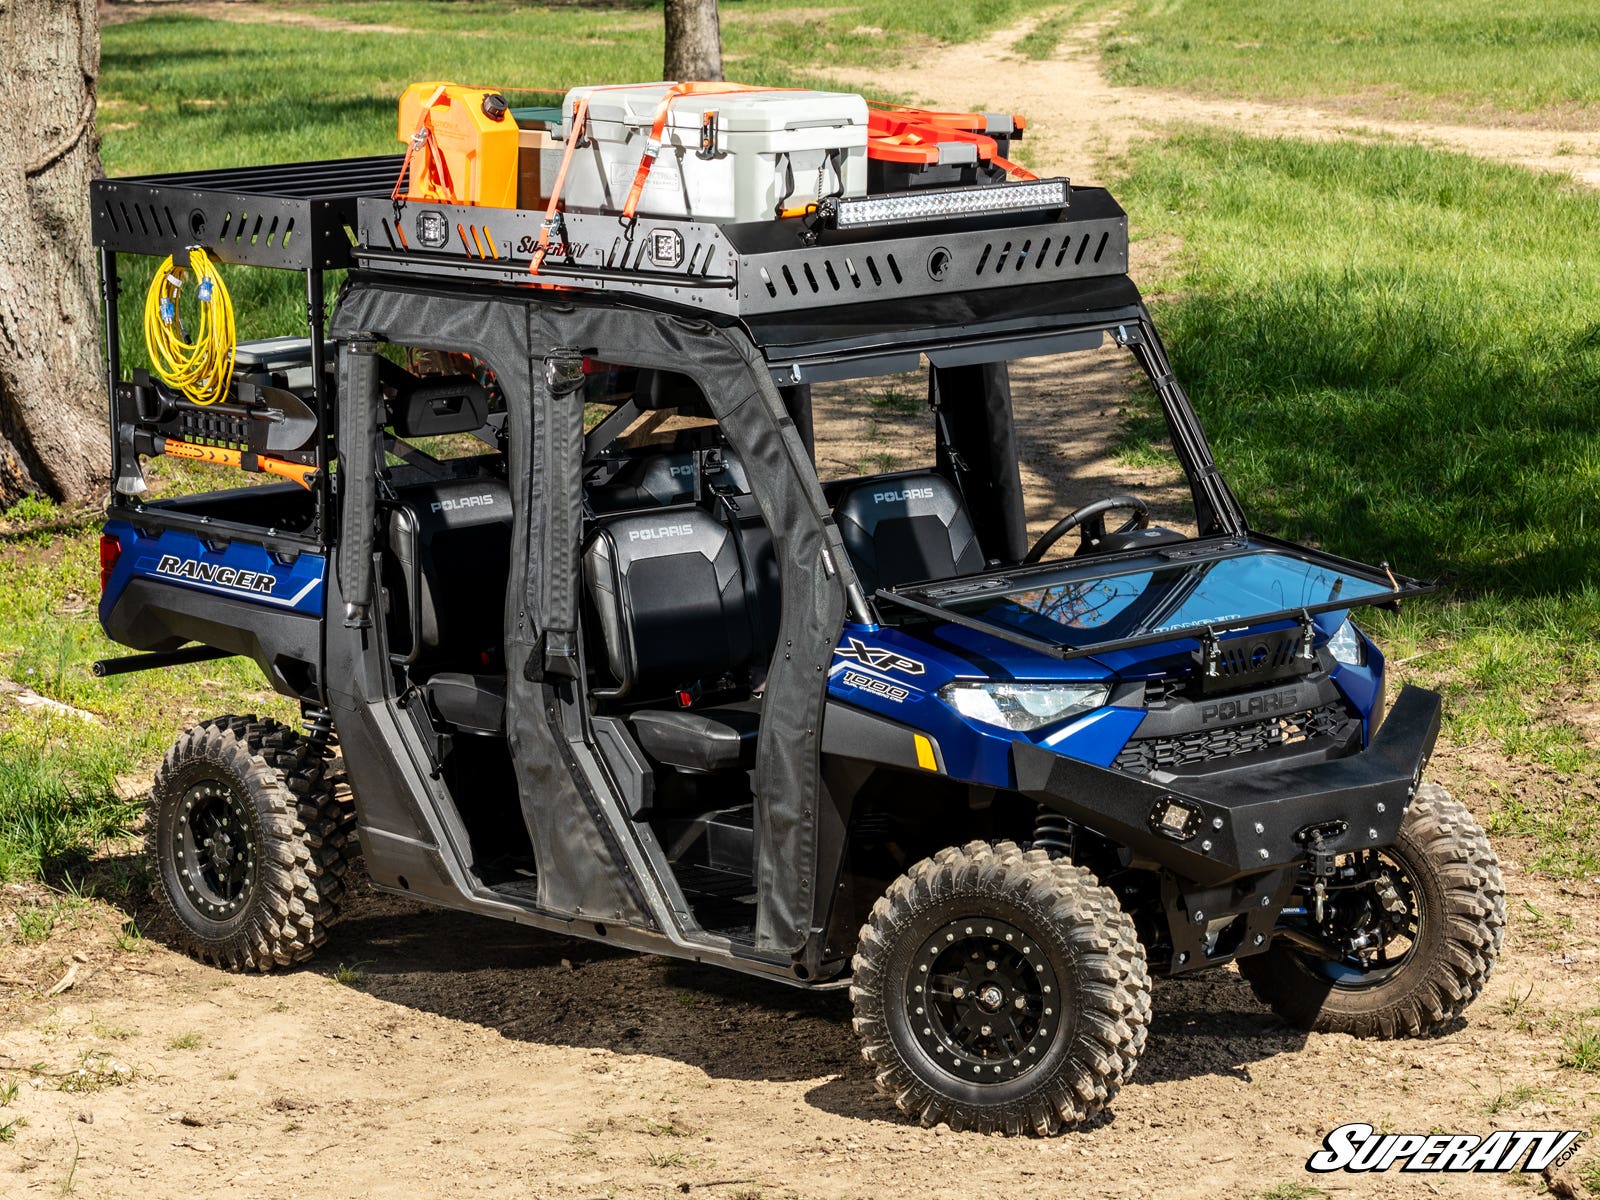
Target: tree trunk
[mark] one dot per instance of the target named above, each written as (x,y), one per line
(694,41)
(53,435)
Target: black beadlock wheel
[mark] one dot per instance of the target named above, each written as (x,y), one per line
(251,833)
(1437,919)
(999,990)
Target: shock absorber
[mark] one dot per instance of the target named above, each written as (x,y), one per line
(318,722)
(1055,834)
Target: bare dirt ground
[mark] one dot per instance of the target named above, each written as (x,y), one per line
(473,1058)
(469,1058)
(1078,121)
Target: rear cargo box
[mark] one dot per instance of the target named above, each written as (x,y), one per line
(764,151)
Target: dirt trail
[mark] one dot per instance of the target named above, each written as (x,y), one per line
(476,1057)
(1078,121)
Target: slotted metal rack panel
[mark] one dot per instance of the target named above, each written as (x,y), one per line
(292,216)
(338,213)
(749,269)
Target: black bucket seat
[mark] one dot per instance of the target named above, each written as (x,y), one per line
(669,587)
(907,528)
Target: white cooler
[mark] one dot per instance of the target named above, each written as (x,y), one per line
(773,150)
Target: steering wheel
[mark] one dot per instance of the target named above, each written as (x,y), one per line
(1092,519)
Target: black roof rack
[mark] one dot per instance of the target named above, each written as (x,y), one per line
(339,214)
(750,269)
(293,216)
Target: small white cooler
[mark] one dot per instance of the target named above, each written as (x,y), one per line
(770,151)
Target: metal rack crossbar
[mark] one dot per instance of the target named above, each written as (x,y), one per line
(293,216)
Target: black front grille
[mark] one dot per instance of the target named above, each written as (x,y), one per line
(1144,755)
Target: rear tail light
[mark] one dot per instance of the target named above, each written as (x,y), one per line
(110,552)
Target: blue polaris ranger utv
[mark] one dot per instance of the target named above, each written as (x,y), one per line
(582,640)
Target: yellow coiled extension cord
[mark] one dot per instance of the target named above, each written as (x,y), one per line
(201,369)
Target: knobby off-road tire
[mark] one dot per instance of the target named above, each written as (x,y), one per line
(1461,904)
(981,933)
(252,832)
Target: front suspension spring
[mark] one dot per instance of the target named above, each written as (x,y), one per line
(318,722)
(1054,834)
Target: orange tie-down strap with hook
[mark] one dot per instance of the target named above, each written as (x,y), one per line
(580,118)
(437,168)
(223,457)
(658,127)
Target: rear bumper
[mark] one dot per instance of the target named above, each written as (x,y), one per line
(1240,823)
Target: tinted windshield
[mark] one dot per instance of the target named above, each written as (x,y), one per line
(1080,604)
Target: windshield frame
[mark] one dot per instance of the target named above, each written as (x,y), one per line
(932,598)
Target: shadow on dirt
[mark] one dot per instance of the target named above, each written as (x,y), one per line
(560,991)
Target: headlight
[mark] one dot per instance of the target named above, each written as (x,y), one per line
(1022,706)
(1346,646)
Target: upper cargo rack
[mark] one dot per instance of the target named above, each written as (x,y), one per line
(737,200)
(293,216)
(754,267)
(338,214)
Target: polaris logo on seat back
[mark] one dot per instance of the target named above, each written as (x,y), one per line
(660,531)
(1222,711)
(461,502)
(203,572)
(922,493)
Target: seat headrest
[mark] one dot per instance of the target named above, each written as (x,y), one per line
(655,390)
(669,590)
(433,405)
(458,503)
(905,529)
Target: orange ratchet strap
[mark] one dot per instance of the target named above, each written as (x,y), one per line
(436,165)
(580,117)
(223,457)
(658,128)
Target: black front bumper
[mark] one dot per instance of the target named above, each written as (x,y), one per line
(1238,823)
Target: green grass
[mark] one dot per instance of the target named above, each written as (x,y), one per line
(1046,36)
(182,92)
(1396,355)
(1414,57)
(1512,1100)
(1291,1191)
(60,796)
(1580,1049)
(185,1041)
(350,975)
(57,791)
(1589,1175)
